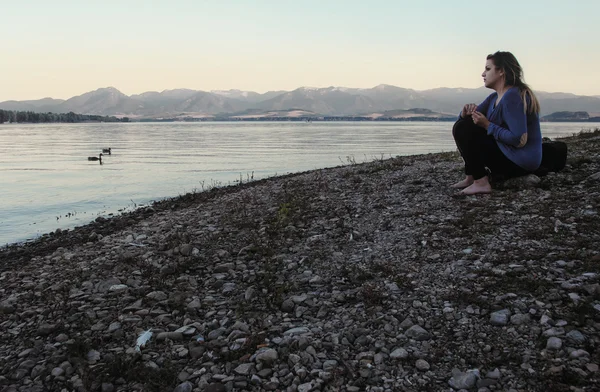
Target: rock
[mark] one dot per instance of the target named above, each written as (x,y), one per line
(93,356)
(244,369)
(46,329)
(399,353)
(519,319)
(6,307)
(524,182)
(306,387)
(579,354)
(157,295)
(594,177)
(194,304)
(296,331)
(186,249)
(463,380)
(184,387)
(494,374)
(118,288)
(107,387)
(215,334)
(554,343)
(500,317)
(418,333)
(288,306)
(422,365)
(169,335)
(215,387)
(406,323)
(267,356)
(576,337)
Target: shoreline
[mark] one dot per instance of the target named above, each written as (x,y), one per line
(346,278)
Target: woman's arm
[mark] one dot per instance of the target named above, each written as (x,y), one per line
(513,115)
(482,107)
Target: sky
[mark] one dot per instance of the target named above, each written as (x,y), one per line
(64,48)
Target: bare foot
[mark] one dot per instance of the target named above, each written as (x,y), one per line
(464,183)
(480,186)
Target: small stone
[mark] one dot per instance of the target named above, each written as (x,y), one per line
(418,333)
(494,374)
(463,380)
(244,369)
(554,343)
(118,288)
(296,331)
(169,335)
(592,367)
(576,337)
(306,387)
(579,354)
(520,318)
(157,296)
(330,365)
(214,334)
(399,353)
(422,365)
(500,317)
(288,305)
(523,182)
(407,323)
(215,387)
(93,356)
(184,387)
(107,387)
(57,372)
(185,249)
(267,357)
(46,329)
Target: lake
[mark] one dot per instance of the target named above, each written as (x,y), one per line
(47,181)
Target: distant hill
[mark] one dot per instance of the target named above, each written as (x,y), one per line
(39,105)
(327,101)
(570,116)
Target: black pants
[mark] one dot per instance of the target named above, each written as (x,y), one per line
(480,151)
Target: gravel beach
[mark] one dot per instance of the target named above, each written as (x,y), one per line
(366,277)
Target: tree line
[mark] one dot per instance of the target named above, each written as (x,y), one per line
(13,116)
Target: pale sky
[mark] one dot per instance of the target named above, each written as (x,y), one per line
(62,48)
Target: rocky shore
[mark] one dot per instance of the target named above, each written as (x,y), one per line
(367,277)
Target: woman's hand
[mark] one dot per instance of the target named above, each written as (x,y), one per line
(480,120)
(468,109)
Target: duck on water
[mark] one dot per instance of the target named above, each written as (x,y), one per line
(98,158)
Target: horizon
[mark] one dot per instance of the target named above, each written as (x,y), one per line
(264,92)
(68,48)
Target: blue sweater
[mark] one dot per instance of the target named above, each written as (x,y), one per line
(509,123)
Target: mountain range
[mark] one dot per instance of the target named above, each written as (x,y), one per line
(328,101)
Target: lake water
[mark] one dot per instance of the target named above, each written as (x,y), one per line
(47,182)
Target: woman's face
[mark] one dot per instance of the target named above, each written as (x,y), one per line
(492,77)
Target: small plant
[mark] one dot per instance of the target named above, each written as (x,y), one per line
(372,294)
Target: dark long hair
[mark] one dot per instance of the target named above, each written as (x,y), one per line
(513,74)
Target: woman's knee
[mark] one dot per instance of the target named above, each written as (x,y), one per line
(462,128)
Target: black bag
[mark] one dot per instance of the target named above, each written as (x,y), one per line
(554,157)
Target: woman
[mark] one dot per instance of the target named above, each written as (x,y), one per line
(503,133)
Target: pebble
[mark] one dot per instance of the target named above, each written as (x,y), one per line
(554,343)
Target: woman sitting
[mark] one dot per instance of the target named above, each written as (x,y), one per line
(501,135)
